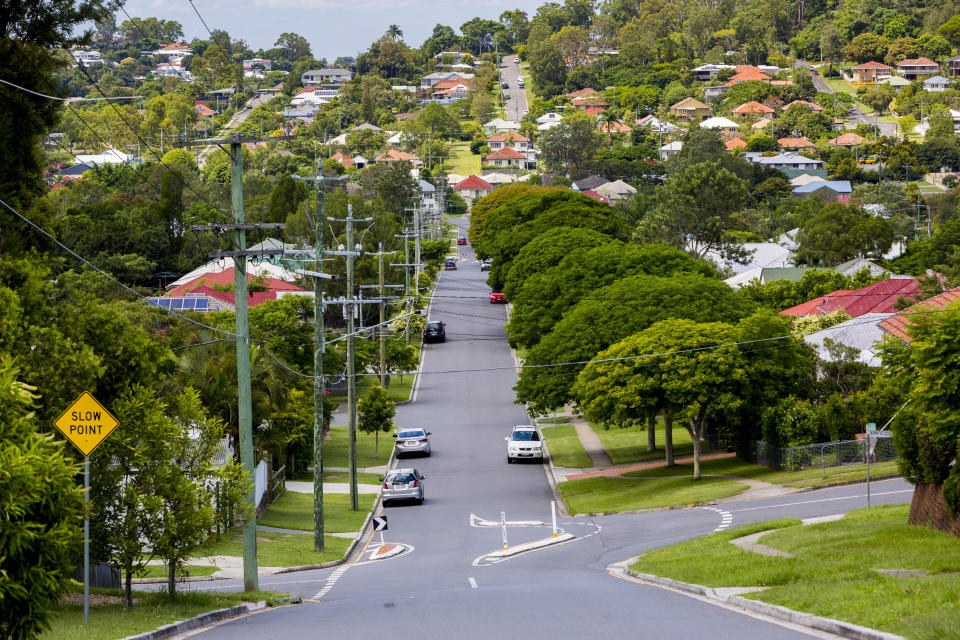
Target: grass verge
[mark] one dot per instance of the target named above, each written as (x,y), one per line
(742,469)
(565,447)
(832,573)
(336,448)
(630,444)
(159,571)
(295,511)
(609,495)
(109,619)
(280,549)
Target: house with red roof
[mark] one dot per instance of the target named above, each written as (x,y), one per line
(849,139)
(916,68)
(754,108)
(343,158)
(590,193)
(579,93)
(879,297)
(747,76)
(472,188)
(203,110)
(898,325)
(585,103)
(870,72)
(614,127)
(509,139)
(506,157)
(393,156)
(224,280)
(798,144)
(735,144)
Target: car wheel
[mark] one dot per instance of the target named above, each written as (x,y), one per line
(420,500)
(509,460)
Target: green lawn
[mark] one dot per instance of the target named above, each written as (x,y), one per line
(461,161)
(400,390)
(841,85)
(630,444)
(280,549)
(336,448)
(805,478)
(295,511)
(111,620)
(159,571)
(565,447)
(344,476)
(547,422)
(833,573)
(609,495)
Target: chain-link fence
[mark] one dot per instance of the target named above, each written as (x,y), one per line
(880,448)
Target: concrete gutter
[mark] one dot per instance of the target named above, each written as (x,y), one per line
(202,620)
(530,546)
(808,620)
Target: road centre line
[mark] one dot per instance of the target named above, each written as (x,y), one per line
(790,504)
(473,582)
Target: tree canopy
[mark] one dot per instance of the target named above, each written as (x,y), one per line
(611,314)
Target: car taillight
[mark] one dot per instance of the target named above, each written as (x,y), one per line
(399,441)
(386,486)
(415,484)
(424,440)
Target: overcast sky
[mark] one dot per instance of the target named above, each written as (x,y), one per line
(333,27)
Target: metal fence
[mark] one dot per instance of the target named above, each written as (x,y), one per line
(102,575)
(828,454)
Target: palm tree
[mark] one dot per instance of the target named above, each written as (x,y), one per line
(394,32)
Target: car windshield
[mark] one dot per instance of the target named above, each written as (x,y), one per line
(434,325)
(526,435)
(401,478)
(410,434)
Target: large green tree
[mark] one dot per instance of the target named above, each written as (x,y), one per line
(572,142)
(840,232)
(41,504)
(611,314)
(543,299)
(509,227)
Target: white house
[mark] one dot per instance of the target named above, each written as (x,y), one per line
(498,125)
(549,117)
(86,57)
(936,84)
(326,76)
(721,124)
(670,149)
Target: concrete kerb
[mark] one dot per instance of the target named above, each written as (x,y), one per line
(818,623)
(550,470)
(202,620)
(530,546)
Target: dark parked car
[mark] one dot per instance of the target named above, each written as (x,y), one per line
(450,264)
(435,332)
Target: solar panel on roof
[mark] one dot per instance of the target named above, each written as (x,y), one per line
(202,304)
(177,303)
(165,303)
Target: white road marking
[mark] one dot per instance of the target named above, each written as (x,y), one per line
(473,582)
(476,521)
(726,518)
(857,497)
(332,581)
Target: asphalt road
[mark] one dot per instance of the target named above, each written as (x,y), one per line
(443,586)
(516,104)
(237,119)
(886,128)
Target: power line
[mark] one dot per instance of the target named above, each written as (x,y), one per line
(107,275)
(59,99)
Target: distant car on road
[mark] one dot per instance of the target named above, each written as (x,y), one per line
(402,484)
(506,96)
(449,264)
(484,265)
(496,297)
(504,85)
(524,443)
(461,240)
(520,83)
(517,60)
(413,441)
(435,332)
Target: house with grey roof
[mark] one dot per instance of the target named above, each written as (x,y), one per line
(786,160)
(326,76)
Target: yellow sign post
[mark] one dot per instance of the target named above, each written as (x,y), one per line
(86,423)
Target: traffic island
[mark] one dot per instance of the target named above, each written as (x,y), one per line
(530,546)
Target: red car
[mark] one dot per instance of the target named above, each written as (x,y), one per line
(497,297)
(461,240)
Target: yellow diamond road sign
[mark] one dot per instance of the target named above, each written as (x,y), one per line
(86,423)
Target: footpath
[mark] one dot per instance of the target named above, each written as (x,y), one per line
(602,466)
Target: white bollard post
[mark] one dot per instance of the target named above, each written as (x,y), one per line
(503,528)
(553,514)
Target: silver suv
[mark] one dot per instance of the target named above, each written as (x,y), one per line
(524,443)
